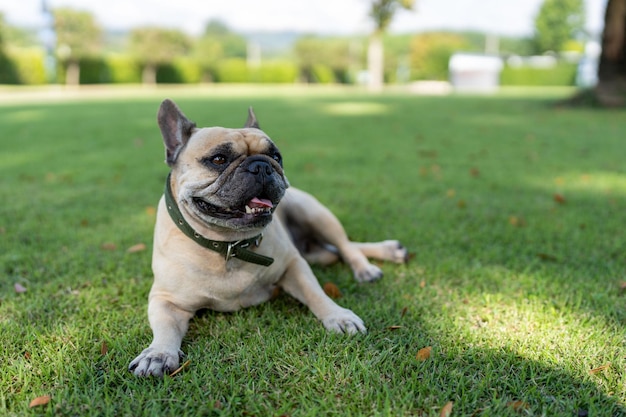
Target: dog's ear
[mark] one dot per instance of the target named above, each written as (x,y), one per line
(252,121)
(176,129)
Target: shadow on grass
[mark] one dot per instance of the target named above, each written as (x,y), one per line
(377,373)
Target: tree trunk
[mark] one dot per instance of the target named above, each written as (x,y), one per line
(72,74)
(375,62)
(148,75)
(611,88)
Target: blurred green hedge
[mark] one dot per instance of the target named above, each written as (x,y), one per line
(180,71)
(322,74)
(22,66)
(562,74)
(27,66)
(277,72)
(123,69)
(236,70)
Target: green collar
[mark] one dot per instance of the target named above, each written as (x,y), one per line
(236,249)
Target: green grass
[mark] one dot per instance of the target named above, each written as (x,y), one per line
(514,210)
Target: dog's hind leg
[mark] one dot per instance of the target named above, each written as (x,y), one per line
(387,250)
(321,255)
(325,229)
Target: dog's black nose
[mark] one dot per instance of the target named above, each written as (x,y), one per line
(260,167)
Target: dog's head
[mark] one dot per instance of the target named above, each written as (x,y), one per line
(224,178)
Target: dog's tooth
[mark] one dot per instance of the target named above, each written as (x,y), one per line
(248,210)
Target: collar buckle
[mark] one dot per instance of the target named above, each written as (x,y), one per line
(231,249)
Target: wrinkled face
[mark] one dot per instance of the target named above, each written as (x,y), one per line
(230,178)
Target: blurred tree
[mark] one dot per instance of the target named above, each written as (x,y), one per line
(8,73)
(382,13)
(323,57)
(233,44)
(516,46)
(217,43)
(153,46)
(397,57)
(557,22)
(611,89)
(208,52)
(431,52)
(78,37)
(15,36)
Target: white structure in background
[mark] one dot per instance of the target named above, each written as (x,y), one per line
(587,71)
(475,73)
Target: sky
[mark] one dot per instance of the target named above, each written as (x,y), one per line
(502,17)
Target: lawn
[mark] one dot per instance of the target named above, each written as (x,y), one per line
(514,210)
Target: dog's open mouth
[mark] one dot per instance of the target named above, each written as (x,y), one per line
(259,206)
(256,207)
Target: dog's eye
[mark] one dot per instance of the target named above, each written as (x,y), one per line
(218,160)
(276,156)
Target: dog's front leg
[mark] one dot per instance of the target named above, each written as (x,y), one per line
(300,282)
(169,324)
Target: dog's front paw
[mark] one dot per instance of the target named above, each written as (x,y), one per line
(368,273)
(344,321)
(155,362)
(396,252)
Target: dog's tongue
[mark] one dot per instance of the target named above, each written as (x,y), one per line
(260,203)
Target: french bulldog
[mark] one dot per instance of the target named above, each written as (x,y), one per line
(230,231)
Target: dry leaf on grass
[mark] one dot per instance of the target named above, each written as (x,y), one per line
(104,349)
(139,247)
(446,410)
(424,353)
(39,401)
(404,311)
(19,288)
(394,327)
(518,405)
(547,257)
(559,198)
(599,369)
(110,246)
(517,221)
(332,290)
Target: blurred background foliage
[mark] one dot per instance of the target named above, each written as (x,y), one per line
(85,53)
